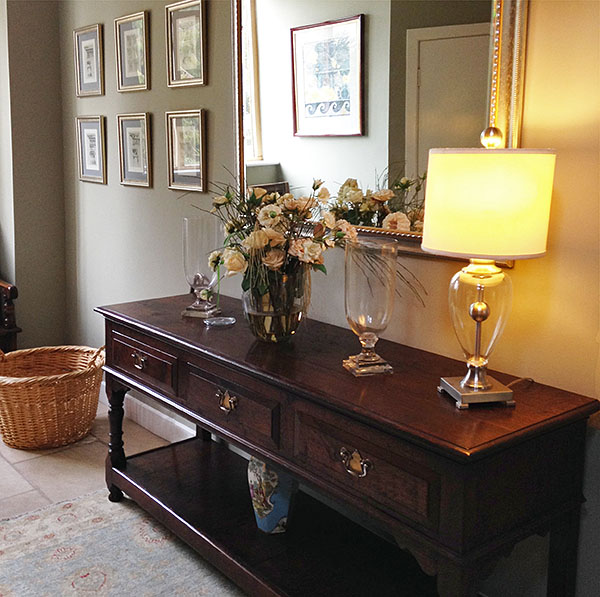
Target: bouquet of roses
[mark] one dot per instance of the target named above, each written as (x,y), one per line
(398,208)
(269,235)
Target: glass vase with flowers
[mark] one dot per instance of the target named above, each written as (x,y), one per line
(275,241)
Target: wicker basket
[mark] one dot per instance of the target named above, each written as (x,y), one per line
(48,395)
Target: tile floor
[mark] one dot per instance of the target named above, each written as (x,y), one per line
(32,479)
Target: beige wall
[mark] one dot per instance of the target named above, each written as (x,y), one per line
(36,196)
(124,243)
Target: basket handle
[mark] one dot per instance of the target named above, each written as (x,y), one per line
(93,358)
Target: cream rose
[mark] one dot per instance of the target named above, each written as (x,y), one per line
(306,250)
(274,258)
(323,194)
(269,216)
(383,195)
(347,229)
(275,237)
(290,203)
(355,196)
(306,203)
(396,221)
(258,192)
(234,262)
(214,259)
(222,200)
(328,220)
(256,240)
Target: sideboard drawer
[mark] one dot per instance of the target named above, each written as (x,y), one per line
(235,402)
(151,365)
(391,474)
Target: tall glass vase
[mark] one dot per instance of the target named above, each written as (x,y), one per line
(370,270)
(275,315)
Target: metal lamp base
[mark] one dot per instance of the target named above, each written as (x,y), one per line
(464,396)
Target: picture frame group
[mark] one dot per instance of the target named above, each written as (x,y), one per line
(185,50)
(185,134)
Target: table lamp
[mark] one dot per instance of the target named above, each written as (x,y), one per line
(485,205)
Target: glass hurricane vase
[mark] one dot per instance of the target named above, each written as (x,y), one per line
(370,282)
(275,315)
(199,233)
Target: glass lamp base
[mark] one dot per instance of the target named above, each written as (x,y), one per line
(360,368)
(202,313)
(464,396)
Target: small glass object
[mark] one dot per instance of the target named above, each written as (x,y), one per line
(369,300)
(219,321)
(199,233)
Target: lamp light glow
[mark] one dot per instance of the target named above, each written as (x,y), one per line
(488,203)
(485,205)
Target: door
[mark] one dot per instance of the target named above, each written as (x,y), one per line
(446,83)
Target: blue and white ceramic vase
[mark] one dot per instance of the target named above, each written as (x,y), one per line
(271,491)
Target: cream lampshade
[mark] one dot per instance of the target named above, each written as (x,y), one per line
(485,205)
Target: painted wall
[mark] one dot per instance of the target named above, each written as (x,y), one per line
(35,192)
(332,159)
(124,243)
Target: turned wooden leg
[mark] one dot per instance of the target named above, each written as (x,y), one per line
(116,453)
(562,555)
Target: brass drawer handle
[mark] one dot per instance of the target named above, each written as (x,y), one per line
(139,361)
(227,402)
(354,463)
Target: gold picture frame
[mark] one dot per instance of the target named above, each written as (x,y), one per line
(91,148)
(184,23)
(132,52)
(185,150)
(135,164)
(88,60)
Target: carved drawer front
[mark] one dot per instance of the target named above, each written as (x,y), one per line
(151,365)
(234,402)
(389,473)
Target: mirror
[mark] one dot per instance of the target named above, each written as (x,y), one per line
(400,62)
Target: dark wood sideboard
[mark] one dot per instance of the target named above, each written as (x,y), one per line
(456,489)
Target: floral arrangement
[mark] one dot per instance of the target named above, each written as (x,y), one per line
(268,234)
(398,208)
(274,241)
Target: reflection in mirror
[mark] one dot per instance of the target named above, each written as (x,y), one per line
(426,71)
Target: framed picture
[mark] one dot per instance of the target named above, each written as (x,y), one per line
(185,149)
(134,149)
(327,78)
(89,61)
(91,148)
(131,41)
(185,43)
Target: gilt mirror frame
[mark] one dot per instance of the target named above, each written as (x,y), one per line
(505,95)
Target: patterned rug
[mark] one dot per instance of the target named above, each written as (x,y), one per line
(89,546)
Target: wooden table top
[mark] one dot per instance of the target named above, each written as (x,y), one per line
(405,404)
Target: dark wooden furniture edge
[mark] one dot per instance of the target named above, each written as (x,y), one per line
(430,441)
